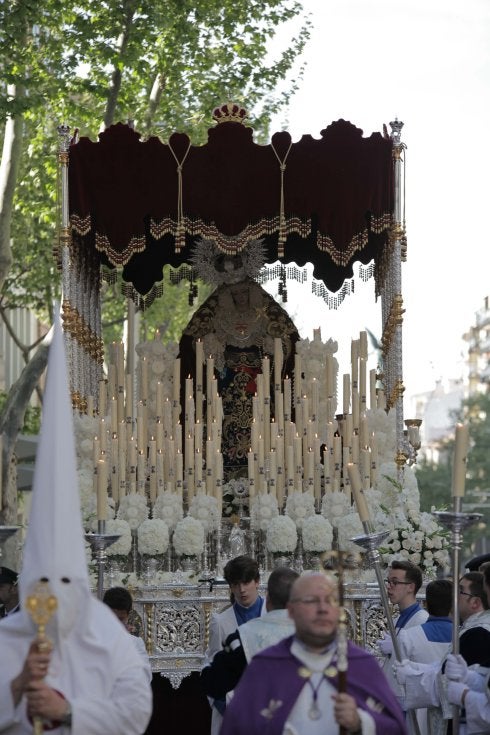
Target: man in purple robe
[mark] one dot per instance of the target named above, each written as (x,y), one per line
(291,688)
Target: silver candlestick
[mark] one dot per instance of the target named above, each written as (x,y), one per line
(456,522)
(99,542)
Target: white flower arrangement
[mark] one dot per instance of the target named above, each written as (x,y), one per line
(348,527)
(168,507)
(414,535)
(281,535)
(153,537)
(232,490)
(188,539)
(205,509)
(133,509)
(317,533)
(299,506)
(264,509)
(335,505)
(122,546)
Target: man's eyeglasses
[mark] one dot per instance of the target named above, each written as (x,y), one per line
(466,594)
(394,582)
(316,601)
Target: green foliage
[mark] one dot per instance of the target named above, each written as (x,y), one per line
(163,63)
(435,479)
(169,314)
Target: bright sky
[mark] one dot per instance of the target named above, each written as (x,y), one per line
(426,62)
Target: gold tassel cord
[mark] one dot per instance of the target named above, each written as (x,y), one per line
(180,231)
(282,218)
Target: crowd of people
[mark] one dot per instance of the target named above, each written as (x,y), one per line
(273,665)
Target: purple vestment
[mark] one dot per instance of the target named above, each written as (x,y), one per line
(271,685)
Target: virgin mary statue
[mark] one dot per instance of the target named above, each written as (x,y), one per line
(238,324)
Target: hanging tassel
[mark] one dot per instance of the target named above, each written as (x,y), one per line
(180,229)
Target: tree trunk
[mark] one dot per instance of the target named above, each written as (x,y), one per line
(122,44)
(9,167)
(11,422)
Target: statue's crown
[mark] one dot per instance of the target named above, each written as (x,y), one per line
(230,112)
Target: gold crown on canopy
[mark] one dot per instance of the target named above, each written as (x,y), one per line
(230,112)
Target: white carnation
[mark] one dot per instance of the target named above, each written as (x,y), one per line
(122,546)
(188,539)
(335,505)
(299,506)
(317,533)
(205,509)
(168,507)
(264,508)
(133,509)
(348,527)
(153,537)
(281,535)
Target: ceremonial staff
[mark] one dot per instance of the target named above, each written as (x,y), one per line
(456,521)
(41,605)
(371,541)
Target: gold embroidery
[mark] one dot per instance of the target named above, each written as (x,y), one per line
(269,711)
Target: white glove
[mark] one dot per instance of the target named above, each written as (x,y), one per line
(385,645)
(455,691)
(456,668)
(402,670)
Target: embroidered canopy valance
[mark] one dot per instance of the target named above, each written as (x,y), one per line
(140,205)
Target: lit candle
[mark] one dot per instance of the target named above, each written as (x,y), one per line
(113,415)
(141,472)
(287,400)
(199,378)
(251,474)
(132,452)
(176,382)
(144,380)
(278,357)
(115,468)
(153,469)
(102,489)
(346,393)
(159,400)
(459,460)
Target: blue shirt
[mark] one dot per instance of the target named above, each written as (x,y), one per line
(406,614)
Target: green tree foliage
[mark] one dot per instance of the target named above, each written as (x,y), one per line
(435,479)
(163,63)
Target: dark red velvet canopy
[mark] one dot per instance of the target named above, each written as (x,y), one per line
(337,192)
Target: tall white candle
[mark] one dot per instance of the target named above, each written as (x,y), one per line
(199,378)
(102,489)
(176,381)
(459,460)
(356,487)
(346,393)
(278,357)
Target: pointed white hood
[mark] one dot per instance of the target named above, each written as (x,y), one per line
(54,547)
